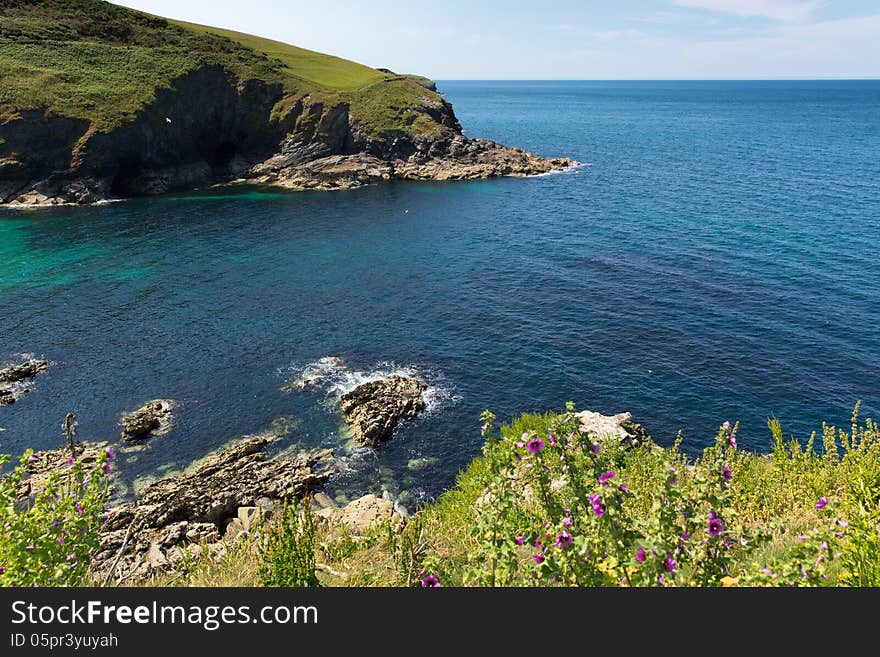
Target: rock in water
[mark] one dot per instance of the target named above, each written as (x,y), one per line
(375,409)
(153,418)
(12,376)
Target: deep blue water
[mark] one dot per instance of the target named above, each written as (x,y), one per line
(716,259)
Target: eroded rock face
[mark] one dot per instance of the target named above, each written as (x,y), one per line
(375,409)
(209,127)
(175,514)
(153,418)
(13,379)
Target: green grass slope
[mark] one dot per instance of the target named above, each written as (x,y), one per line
(93,60)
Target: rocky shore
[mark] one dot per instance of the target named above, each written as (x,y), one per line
(51,160)
(14,379)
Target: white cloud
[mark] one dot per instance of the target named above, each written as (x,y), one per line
(780,10)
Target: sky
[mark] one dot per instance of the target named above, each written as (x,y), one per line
(566,39)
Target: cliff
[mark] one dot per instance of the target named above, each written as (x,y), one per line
(101,101)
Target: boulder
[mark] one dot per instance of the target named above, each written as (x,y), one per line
(375,409)
(361,514)
(618,427)
(153,418)
(13,377)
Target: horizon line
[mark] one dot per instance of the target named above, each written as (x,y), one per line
(780,79)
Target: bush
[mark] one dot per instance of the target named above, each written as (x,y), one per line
(286,550)
(48,540)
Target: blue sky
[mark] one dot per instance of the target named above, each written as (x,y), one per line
(563,39)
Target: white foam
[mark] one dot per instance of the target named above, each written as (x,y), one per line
(438,394)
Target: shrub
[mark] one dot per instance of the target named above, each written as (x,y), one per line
(286,551)
(48,540)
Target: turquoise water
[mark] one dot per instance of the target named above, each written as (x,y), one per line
(715,259)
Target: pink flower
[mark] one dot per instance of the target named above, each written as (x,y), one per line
(726,424)
(566,522)
(110,454)
(731,440)
(640,555)
(551,439)
(623,488)
(535,445)
(106,468)
(429,580)
(483,428)
(563,540)
(605,477)
(539,559)
(69,460)
(726,473)
(519,540)
(822,503)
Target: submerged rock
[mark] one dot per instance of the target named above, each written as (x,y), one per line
(315,372)
(153,418)
(375,409)
(12,378)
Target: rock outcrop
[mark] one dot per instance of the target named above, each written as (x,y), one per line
(14,379)
(618,427)
(151,419)
(215,500)
(375,409)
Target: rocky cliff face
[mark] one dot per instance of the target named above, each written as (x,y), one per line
(209,127)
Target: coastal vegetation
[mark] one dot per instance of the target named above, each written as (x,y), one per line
(100,62)
(547,504)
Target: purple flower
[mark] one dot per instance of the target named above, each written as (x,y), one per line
(599,510)
(731,440)
(566,522)
(596,448)
(822,503)
(551,439)
(640,555)
(605,476)
(79,508)
(111,454)
(661,581)
(715,527)
(106,468)
(69,460)
(726,424)
(824,545)
(2,570)
(535,445)
(539,559)
(623,488)
(519,540)
(767,571)
(563,540)
(60,540)
(669,564)
(429,580)
(726,473)
(538,543)
(29,548)
(34,457)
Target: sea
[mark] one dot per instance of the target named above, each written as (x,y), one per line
(714,257)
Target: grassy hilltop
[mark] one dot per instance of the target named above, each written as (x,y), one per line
(92,60)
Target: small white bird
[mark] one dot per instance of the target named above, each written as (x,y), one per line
(167,120)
